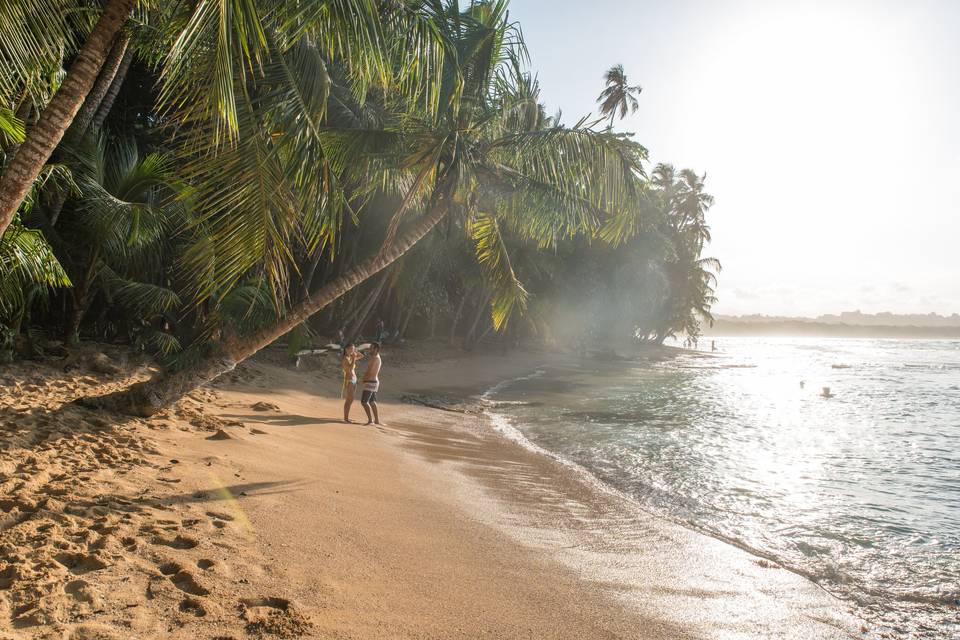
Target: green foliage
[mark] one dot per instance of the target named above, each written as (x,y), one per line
(36,36)
(266,148)
(508,291)
(28,268)
(11,127)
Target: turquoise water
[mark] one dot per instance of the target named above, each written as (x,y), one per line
(860,491)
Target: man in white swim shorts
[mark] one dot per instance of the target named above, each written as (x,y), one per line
(371,385)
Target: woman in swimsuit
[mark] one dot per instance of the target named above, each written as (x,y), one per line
(348,364)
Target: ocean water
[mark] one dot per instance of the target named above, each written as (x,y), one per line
(859,492)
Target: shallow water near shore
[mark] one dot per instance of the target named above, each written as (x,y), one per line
(860,491)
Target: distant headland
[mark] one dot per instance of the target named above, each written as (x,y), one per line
(851,324)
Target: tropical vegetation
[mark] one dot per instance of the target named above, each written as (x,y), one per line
(201,179)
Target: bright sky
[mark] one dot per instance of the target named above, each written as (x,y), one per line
(829,132)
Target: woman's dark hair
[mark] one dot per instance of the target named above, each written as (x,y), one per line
(343,351)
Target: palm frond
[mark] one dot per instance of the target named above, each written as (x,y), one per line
(35,37)
(26,259)
(12,129)
(141,298)
(507,292)
(565,181)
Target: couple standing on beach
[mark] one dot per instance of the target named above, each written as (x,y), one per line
(371,381)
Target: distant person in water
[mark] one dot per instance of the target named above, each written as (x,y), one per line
(348,364)
(371,385)
(713,345)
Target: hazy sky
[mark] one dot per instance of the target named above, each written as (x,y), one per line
(829,132)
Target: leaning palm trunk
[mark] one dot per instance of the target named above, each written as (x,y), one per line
(148,397)
(107,103)
(46,134)
(84,117)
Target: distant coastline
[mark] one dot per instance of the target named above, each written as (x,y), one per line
(850,324)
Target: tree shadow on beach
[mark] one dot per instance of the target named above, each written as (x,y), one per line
(282,420)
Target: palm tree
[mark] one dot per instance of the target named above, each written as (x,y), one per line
(44,136)
(485,156)
(690,277)
(208,51)
(618,94)
(121,222)
(28,269)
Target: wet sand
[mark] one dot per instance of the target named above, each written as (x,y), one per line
(219,519)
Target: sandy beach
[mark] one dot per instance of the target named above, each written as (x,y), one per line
(251,510)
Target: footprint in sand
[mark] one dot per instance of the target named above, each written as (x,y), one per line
(90,632)
(179,542)
(182,579)
(7,577)
(80,563)
(220,520)
(186,582)
(206,564)
(275,616)
(219,515)
(82,592)
(192,607)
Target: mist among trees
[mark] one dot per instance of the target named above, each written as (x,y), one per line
(198,181)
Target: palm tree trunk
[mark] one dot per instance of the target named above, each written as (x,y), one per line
(468,340)
(367,307)
(78,309)
(148,397)
(456,316)
(43,138)
(311,271)
(79,301)
(107,103)
(403,317)
(84,118)
(405,322)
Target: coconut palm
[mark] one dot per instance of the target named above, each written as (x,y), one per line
(120,228)
(26,28)
(618,96)
(209,50)
(485,158)
(690,277)
(28,269)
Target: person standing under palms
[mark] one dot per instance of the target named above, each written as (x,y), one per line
(348,364)
(371,385)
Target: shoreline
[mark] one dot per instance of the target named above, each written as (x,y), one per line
(433,526)
(502,424)
(844,624)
